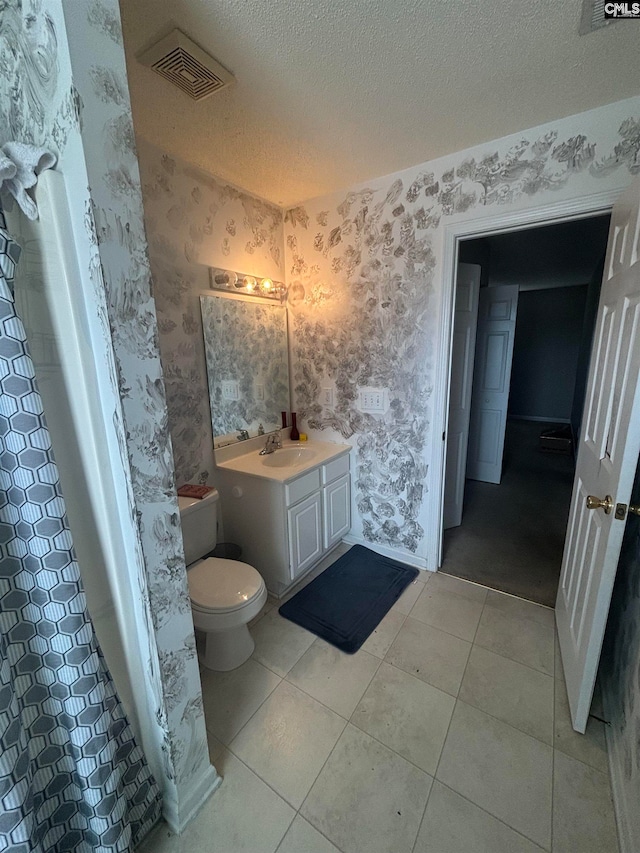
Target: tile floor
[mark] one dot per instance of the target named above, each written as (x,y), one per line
(448,731)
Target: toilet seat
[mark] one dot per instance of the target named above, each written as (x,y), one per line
(221,586)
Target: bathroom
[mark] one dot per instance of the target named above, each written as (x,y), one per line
(347,330)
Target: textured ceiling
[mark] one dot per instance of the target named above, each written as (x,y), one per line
(330,93)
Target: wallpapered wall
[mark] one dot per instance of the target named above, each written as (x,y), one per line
(194,221)
(620,678)
(364,275)
(63,85)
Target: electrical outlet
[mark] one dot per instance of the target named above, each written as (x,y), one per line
(373,400)
(327,396)
(230,389)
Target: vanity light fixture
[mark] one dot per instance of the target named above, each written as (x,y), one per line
(236,282)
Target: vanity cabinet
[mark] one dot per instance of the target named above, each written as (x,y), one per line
(285,527)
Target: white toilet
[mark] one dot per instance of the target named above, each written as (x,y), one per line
(225,594)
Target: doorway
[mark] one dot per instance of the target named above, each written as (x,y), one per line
(513,519)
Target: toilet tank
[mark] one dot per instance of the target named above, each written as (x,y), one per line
(199,519)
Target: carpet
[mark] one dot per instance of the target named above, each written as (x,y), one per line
(512,535)
(348,600)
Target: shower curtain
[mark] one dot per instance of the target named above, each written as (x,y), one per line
(72,777)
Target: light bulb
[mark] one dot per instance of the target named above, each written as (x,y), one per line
(227,279)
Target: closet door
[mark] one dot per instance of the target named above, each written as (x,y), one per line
(460,387)
(492,376)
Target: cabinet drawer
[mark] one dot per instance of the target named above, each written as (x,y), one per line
(303,486)
(334,469)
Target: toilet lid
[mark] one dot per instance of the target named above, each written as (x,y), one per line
(217,584)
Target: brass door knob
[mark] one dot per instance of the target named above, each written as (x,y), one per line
(635,509)
(600,503)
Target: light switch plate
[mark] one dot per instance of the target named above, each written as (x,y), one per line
(230,389)
(373,400)
(327,396)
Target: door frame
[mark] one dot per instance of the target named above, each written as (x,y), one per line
(453,233)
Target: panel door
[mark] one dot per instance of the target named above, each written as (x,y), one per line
(607,456)
(492,375)
(305,533)
(337,511)
(462,361)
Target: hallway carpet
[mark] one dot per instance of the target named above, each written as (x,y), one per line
(512,535)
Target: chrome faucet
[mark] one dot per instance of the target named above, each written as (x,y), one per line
(243,435)
(274,442)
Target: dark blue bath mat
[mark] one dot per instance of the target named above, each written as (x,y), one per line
(346,602)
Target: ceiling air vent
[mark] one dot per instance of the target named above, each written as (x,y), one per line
(592,16)
(187,66)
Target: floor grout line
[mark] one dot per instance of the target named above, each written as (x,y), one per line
(505,723)
(328,707)
(513,660)
(436,628)
(495,817)
(520,617)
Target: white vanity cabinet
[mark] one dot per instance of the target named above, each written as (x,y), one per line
(286,525)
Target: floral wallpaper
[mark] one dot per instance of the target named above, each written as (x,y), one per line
(363,271)
(63,84)
(195,221)
(620,678)
(247,358)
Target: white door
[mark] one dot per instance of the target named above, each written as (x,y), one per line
(305,533)
(607,456)
(492,375)
(336,501)
(462,359)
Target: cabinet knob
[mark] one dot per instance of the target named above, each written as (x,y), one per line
(237,492)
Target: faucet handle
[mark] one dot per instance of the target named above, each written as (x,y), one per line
(274,439)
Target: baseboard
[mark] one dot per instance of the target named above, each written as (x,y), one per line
(179,815)
(538,419)
(393,553)
(620,805)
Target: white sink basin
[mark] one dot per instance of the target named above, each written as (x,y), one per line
(288,457)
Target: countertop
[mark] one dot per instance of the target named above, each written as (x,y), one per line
(252,464)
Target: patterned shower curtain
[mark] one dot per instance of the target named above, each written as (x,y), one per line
(72,777)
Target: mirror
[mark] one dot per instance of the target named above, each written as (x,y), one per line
(246,351)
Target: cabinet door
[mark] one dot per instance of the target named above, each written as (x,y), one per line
(305,533)
(337,511)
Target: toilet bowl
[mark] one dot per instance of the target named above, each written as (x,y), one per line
(225,594)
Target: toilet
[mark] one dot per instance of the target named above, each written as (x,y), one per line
(225,594)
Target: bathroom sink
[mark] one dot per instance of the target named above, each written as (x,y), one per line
(288,457)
